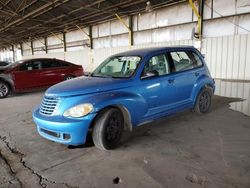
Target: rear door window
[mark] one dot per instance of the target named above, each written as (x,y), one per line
(50,64)
(64,64)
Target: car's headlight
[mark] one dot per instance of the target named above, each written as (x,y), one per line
(79,110)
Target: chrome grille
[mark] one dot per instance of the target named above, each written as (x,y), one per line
(49,105)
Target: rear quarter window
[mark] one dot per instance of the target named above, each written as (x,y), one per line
(197,60)
(185,60)
(181,61)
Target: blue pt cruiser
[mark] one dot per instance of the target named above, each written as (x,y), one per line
(125,91)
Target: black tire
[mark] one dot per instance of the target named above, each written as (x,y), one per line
(4,89)
(68,77)
(108,129)
(204,101)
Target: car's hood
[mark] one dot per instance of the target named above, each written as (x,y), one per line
(86,85)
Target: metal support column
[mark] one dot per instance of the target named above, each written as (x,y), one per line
(198,16)
(32,48)
(90,37)
(130,23)
(201,11)
(46,45)
(13,52)
(64,42)
(21,48)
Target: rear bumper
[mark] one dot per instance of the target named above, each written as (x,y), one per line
(63,130)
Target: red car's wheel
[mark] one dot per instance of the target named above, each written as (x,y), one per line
(4,89)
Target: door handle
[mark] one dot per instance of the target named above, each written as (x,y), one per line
(171,81)
(197,74)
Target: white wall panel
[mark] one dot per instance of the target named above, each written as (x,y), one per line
(142,37)
(225,8)
(77,35)
(244,22)
(103,42)
(146,21)
(243,6)
(82,57)
(164,34)
(38,43)
(95,31)
(135,22)
(119,40)
(53,40)
(117,27)
(219,27)
(55,50)
(104,29)
(183,32)
(207,9)
(228,57)
(175,14)
(26,45)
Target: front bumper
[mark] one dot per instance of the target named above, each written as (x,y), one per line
(63,130)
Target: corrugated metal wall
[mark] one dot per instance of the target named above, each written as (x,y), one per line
(228,57)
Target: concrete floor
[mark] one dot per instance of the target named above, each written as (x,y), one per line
(184,150)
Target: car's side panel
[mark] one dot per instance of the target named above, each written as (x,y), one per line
(159,92)
(27,79)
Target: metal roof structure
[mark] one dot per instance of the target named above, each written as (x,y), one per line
(25,20)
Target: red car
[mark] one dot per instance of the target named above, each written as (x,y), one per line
(36,73)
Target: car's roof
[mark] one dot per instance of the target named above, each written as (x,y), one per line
(40,59)
(145,51)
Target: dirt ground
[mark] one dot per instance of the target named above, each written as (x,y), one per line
(184,150)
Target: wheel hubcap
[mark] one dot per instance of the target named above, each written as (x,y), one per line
(3,90)
(204,101)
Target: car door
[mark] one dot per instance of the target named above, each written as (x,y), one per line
(27,75)
(157,90)
(186,72)
(52,71)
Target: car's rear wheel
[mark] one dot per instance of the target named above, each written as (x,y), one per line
(4,89)
(204,101)
(108,129)
(68,77)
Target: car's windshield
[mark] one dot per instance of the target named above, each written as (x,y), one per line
(117,67)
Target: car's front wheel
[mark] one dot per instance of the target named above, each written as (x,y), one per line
(108,129)
(4,89)
(204,101)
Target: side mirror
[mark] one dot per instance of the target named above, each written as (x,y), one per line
(150,74)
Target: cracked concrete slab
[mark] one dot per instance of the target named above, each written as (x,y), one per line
(184,150)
